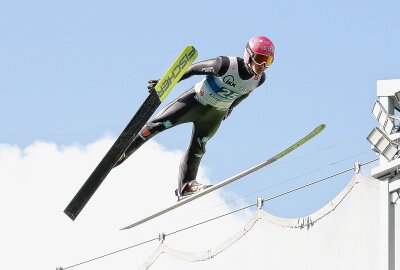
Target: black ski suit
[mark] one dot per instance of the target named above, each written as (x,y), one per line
(205,105)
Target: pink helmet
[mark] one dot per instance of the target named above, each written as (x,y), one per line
(262,46)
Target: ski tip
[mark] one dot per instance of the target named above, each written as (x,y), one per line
(189,47)
(320,127)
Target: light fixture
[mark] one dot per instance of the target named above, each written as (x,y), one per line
(382,116)
(382,144)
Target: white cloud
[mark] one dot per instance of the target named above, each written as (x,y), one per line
(39,181)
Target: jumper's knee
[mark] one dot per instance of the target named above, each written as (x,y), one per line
(200,148)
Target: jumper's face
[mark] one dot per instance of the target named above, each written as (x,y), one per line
(258,69)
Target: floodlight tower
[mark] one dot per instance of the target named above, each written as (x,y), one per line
(385,140)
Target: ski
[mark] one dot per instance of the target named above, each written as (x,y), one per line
(229,180)
(146,110)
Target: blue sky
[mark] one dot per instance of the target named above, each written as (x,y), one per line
(72,72)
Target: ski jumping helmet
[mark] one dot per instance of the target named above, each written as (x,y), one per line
(259,49)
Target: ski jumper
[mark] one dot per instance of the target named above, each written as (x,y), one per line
(228,81)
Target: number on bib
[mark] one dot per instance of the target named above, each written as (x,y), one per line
(228,94)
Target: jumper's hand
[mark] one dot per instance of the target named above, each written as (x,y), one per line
(151,85)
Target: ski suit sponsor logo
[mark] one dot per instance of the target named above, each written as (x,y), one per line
(183,62)
(229,80)
(208,69)
(204,139)
(146,132)
(167,124)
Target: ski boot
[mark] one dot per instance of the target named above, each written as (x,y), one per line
(190,188)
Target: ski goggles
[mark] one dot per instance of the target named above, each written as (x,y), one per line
(262,59)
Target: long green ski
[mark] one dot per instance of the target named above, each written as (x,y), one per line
(227,181)
(149,106)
